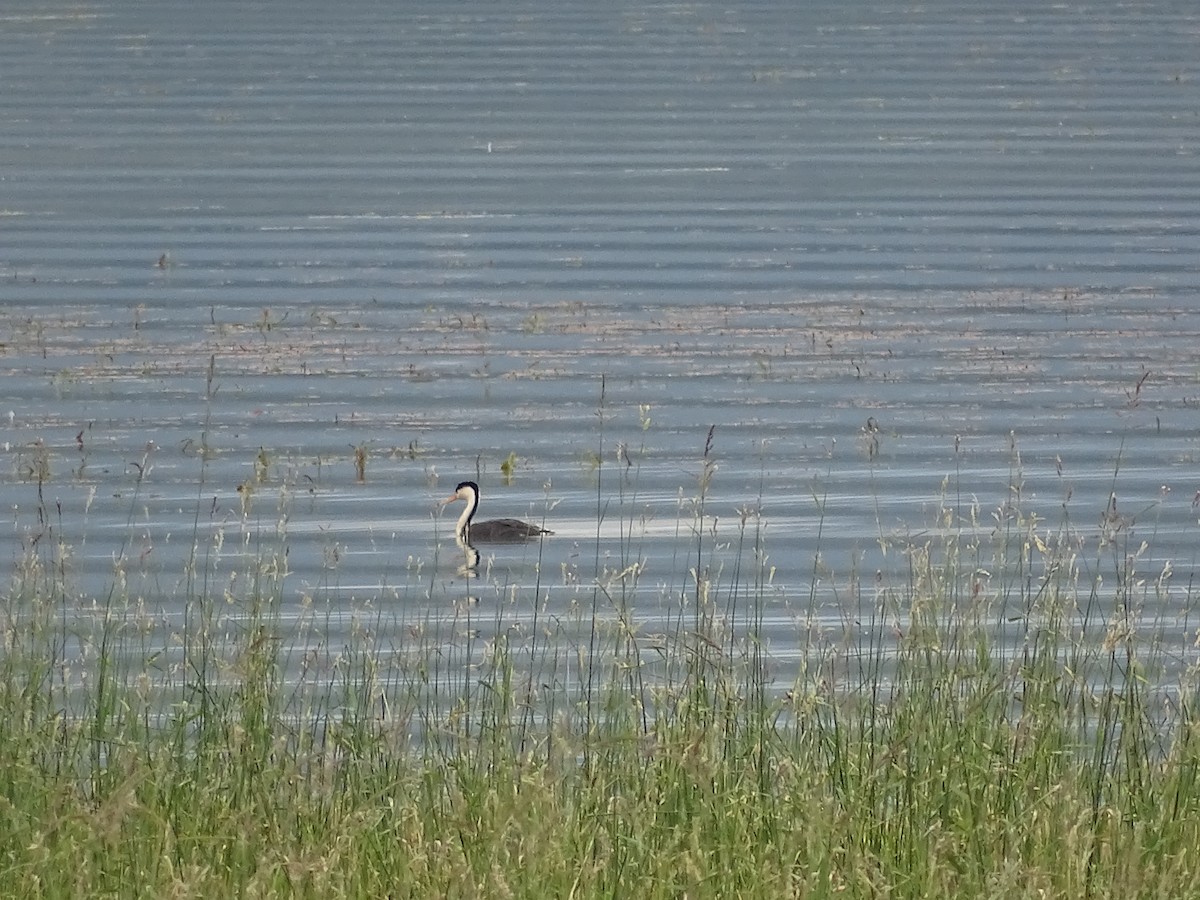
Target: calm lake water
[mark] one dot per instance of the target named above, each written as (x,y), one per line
(273,284)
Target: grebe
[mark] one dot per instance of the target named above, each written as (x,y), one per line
(493,530)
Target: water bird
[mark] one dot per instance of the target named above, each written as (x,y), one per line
(493,530)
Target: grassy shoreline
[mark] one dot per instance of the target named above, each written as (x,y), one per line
(994,729)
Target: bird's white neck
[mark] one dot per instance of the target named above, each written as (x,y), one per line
(464,520)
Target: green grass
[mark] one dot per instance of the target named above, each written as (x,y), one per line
(994,726)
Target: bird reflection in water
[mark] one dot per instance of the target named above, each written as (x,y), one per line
(469,567)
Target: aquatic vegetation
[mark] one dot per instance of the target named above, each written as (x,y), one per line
(360,463)
(994,724)
(508,467)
